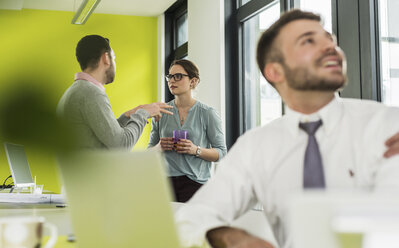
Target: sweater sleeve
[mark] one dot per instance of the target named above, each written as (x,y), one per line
(113,133)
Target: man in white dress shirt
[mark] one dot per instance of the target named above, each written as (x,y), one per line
(302,61)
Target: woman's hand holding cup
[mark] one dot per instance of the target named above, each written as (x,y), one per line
(167,144)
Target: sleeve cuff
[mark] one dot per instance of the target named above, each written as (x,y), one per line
(140,114)
(123,120)
(143,113)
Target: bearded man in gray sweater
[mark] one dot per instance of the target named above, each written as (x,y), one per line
(87,109)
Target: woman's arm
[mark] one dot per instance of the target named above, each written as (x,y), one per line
(154,135)
(215,134)
(188,147)
(215,137)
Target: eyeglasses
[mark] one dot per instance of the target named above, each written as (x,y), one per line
(176,77)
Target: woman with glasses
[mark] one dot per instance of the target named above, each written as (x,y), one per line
(188,159)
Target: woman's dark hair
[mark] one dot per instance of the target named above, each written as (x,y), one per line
(89,50)
(191,69)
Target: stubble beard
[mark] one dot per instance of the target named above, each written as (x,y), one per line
(302,79)
(110,74)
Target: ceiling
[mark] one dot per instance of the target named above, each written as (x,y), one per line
(118,7)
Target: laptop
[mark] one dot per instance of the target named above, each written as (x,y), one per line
(19,166)
(119,199)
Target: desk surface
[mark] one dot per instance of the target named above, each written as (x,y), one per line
(253,221)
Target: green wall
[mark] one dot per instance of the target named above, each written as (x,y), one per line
(40,45)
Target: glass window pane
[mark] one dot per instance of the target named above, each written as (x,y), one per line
(244,2)
(321,7)
(262,102)
(182,30)
(389,50)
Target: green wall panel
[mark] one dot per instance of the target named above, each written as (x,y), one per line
(39,47)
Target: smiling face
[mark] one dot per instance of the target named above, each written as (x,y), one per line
(312,60)
(182,86)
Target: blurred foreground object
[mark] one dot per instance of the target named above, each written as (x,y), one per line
(27,116)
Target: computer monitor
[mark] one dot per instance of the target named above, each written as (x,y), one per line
(19,166)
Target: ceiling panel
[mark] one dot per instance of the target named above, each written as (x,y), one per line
(134,7)
(66,5)
(119,7)
(11,4)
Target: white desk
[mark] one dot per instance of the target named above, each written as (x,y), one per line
(253,221)
(58,216)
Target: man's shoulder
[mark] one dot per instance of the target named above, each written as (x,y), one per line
(366,108)
(361,103)
(84,85)
(371,119)
(80,92)
(85,89)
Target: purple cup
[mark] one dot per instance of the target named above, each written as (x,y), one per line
(179,134)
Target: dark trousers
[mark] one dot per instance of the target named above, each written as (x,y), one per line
(184,188)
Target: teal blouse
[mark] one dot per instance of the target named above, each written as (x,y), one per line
(204,128)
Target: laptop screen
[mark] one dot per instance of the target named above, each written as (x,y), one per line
(19,166)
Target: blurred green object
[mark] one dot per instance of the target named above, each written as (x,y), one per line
(28,117)
(133,211)
(350,240)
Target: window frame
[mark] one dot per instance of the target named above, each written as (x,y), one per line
(172,51)
(235,16)
(356,26)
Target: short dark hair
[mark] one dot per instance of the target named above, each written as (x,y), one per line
(267,51)
(89,50)
(191,69)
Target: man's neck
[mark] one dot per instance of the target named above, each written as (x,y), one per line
(308,102)
(97,75)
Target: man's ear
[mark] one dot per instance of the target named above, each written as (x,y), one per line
(105,58)
(274,72)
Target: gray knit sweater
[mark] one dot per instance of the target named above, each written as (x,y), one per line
(87,109)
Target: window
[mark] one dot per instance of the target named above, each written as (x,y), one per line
(389,50)
(251,101)
(259,101)
(321,7)
(244,2)
(181,30)
(262,102)
(176,37)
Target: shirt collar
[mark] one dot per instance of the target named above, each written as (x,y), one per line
(329,114)
(88,77)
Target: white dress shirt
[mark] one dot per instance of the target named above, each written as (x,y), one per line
(266,165)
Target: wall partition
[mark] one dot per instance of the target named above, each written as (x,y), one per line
(40,51)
